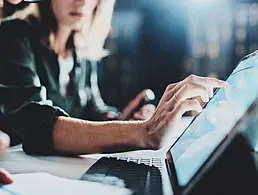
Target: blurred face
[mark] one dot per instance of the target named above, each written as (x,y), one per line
(73,13)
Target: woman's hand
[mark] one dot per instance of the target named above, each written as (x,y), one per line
(178,99)
(90,40)
(5,177)
(143,113)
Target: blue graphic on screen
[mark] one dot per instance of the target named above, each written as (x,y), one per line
(216,120)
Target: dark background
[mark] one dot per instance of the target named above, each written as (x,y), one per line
(156,42)
(149,43)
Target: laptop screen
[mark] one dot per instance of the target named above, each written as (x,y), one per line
(221,113)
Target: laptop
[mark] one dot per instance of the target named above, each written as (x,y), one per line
(195,147)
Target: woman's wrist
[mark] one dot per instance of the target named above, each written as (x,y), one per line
(142,137)
(151,139)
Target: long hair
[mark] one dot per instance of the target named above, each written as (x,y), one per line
(42,13)
(44,16)
(48,24)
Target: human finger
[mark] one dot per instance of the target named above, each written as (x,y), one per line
(182,107)
(5,177)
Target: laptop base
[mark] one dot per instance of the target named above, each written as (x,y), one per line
(141,175)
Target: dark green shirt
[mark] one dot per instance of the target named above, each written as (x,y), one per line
(30,90)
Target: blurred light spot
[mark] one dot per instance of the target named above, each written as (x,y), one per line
(241,34)
(213,50)
(201,1)
(198,50)
(212,35)
(253,14)
(226,33)
(213,75)
(240,50)
(241,16)
(188,65)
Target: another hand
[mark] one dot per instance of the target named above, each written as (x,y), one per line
(90,41)
(145,112)
(5,177)
(131,107)
(178,99)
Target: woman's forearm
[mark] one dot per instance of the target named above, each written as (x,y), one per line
(85,137)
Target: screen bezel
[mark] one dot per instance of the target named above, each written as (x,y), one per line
(169,160)
(219,150)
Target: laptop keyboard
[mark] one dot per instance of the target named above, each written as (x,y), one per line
(156,162)
(141,175)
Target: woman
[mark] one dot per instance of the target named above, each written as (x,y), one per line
(30,60)
(94,107)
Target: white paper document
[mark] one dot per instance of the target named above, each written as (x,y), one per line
(47,184)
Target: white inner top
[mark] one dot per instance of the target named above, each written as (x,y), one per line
(65,66)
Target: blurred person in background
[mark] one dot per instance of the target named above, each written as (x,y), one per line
(96,109)
(84,55)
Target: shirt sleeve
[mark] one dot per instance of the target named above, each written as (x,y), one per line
(23,99)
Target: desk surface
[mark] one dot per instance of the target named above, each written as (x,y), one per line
(16,161)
